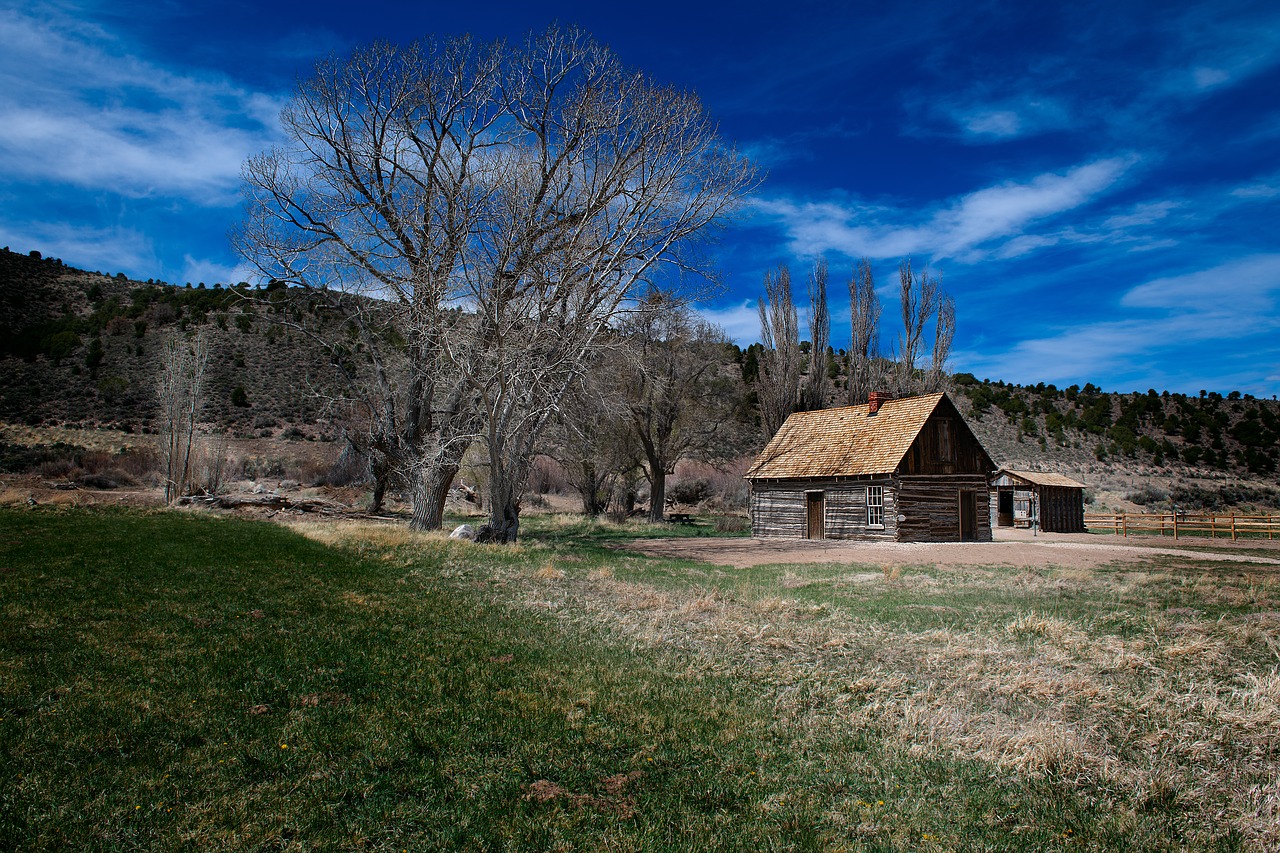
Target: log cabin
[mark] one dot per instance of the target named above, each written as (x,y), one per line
(1051,502)
(907,470)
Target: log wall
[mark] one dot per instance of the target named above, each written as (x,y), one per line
(931,505)
(778,509)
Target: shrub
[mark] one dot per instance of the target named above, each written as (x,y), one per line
(693,491)
(1147,496)
(731,524)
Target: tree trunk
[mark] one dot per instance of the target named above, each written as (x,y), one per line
(508,473)
(430,493)
(504,507)
(380,470)
(657,492)
(589,490)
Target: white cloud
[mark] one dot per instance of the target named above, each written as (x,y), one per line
(1259,191)
(740,322)
(108,250)
(1239,289)
(1213,309)
(1147,213)
(203,269)
(963,228)
(76,109)
(983,120)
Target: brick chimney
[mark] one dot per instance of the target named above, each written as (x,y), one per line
(875,400)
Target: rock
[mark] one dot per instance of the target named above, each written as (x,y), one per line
(486,533)
(289,484)
(464,531)
(259,489)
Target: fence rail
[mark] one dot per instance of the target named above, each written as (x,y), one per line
(1183,524)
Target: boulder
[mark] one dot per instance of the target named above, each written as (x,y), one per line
(464,531)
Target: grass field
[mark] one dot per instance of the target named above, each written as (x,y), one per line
(176,681)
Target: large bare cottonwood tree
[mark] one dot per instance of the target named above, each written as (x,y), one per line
(492,208)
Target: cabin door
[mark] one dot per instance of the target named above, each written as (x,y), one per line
(816,513)
(968,516)
(1004,515)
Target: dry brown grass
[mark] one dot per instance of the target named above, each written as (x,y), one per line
(1163,705)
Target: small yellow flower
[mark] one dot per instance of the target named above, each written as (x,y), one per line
(879,802)
(284,746)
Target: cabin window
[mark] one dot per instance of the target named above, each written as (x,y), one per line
(875,506)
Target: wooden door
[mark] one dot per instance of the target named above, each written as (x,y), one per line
(968,516)
(1005,515)
(816,512)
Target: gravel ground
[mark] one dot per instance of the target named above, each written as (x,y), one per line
(1011,548)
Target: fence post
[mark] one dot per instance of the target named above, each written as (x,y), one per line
(1233,527)
(1124,524)
(1175,526)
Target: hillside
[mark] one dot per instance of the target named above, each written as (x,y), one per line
(80,349)
(1136,450)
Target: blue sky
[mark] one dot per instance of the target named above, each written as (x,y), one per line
(1097,183)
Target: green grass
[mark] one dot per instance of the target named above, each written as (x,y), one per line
(173,681)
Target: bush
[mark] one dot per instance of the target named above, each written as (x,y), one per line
(690,492)
(731,524)
(1147,496)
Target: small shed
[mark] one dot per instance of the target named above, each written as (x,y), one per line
(906,470)
(1025,498)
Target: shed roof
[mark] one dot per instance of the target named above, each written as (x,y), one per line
(844,442)
(1042,478)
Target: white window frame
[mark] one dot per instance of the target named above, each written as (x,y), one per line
(875,507)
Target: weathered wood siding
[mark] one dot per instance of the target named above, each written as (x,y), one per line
(1061,509)
(931,506)
(946,445)
(778,509)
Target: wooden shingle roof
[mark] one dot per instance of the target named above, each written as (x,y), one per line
(844,442)
(1042,478)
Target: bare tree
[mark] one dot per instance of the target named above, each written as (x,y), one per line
(677,405)
(944,331)
(778,380)
(591,437)
(864,339)
(490,209)
(918,295)
(180,390)
(816,384)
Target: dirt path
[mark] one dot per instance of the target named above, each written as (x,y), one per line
(1012,548)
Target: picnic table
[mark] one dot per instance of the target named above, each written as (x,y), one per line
(680,518)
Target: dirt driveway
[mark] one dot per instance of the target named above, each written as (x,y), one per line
(1011,548)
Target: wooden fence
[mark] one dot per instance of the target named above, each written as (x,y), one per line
(1183,524)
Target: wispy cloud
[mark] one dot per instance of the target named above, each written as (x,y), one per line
(202,269)
(1171,320)
(741,322)
(77,108)
(981,116)
(1242,292)
(987,220)
(108,250)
